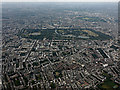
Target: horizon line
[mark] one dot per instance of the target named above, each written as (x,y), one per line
(66,2)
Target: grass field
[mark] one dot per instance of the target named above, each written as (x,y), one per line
(109,85)
(90,33)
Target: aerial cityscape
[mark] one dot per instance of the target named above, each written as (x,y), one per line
(56,46)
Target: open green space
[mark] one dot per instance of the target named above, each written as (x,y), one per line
(109,85)
(64,34)
(91,19)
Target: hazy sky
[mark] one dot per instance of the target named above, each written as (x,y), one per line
(60,0)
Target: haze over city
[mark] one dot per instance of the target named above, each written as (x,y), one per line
(60,0)
(60,45)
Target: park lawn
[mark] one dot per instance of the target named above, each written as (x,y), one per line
(108,84)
